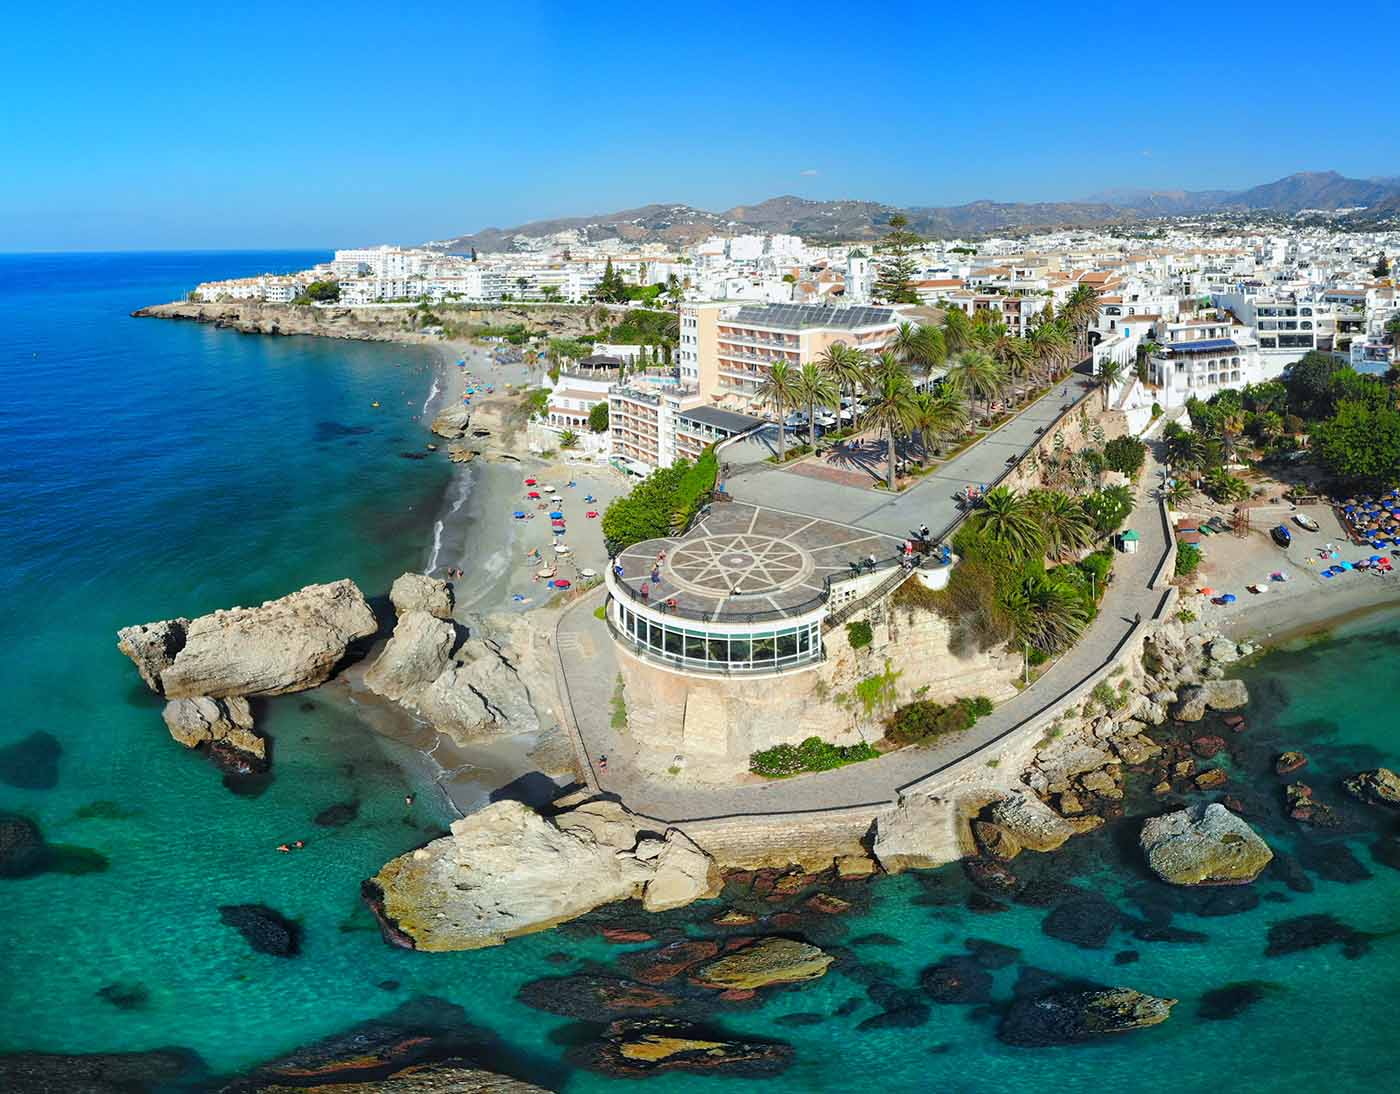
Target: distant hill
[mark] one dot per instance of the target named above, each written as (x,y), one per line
(868,220)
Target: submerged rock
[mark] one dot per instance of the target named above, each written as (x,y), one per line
(1232,1000)
(338,815)
(669,962)
(1379,787)
(419,593)
(32,762)
(1306,932)
(98,1073)
(125,996)
(957,980)
(282,646)
(1067,1017)
(22,850)
(634,1048)
(767,962)
(1203,845)
(589,997)
(264,929)
(506,871)
(1087,921)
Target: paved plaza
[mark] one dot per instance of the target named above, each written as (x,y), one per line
(744,559)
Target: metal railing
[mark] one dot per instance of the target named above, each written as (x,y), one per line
(658,603)
(651,654)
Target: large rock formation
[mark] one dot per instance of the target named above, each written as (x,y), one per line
(919,833)
(636,1048)
(1066,1017)
(1210,695)
(1379,787)
(284,645)
(507,871)
(767,962)
(224,726)
(1203,845)
(418,653)
(1034,825)
(420,593)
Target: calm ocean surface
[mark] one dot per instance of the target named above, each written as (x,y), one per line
(150,469)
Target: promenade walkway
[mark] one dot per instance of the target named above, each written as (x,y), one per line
(589,665)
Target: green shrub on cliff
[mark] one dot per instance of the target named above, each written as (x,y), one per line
(923,720)
(813,754)
(859,634)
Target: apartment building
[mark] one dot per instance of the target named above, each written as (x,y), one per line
(1287,326)
(1015,311)
(749,339)
(1200,357)
(642,420)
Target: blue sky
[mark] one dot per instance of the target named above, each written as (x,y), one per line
(126,126)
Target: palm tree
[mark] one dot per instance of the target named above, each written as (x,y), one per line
(978,375)
(1013,354)
(1231,426)
(936,415)
(1048,615)
(1064,523)
(1047,344)
(1011,519)
(1178,493)
(847,366)
(1108,374)
(891,406)
(815,388)
(957,331)
(779,392)
(1081,309)
(921,348)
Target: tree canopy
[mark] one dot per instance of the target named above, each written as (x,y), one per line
(1360,444)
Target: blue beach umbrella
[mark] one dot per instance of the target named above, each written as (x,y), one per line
(556,516)
(519,515)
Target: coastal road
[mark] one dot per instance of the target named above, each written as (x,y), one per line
(589,662)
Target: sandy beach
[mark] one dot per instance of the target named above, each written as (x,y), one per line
(1303,604)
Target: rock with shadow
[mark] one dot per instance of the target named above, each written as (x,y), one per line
(1087,921)
(100,1072)
(32,762)
(959,979)
(633,1048)
(263,928)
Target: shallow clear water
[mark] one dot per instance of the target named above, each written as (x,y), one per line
(150,469)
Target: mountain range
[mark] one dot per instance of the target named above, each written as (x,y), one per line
(867,220)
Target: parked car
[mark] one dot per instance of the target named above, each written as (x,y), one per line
(1282,536)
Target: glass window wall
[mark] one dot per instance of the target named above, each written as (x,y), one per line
(689,646)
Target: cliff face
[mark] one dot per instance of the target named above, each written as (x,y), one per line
(380,323)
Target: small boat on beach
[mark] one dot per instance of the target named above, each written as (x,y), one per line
(1302,520)
(1281,535)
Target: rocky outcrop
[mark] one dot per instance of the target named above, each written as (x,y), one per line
(457,1076)
(683,873)
(223,726)
(1209,695)
(419,593)
(919,833)
(1067,1017)
(282,646)
(99,1073)
(1034,825)
(419,651)
(1203,845)
(453,422)
(635,1048)
(767,962)
(1379,787)
(506,871)
(263,929)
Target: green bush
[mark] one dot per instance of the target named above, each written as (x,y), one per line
(1188,559)
(924,719)
(813,754)
(859,634)
(1125,454)
(1099,564)
(598,418)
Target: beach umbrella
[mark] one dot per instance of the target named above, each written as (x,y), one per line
(519,515)
(530,482)
(1228,598)
(556,515)
(562,548)
(562,584)
(587,573)
(1206,591)
(533,495)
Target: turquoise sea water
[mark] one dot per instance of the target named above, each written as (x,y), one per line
(149,469)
